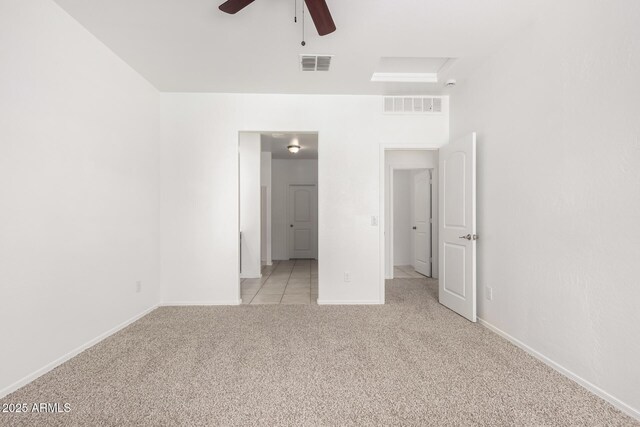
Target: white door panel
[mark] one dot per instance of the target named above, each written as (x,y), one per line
(302,240)
(457,281)
(455,257)
(454,179)
(302,205)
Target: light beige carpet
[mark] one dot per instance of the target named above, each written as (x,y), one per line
(410,362)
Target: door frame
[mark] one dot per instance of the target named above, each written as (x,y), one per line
(384,147)
(237,191)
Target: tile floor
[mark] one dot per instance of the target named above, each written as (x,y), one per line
(284,282)
(406,272)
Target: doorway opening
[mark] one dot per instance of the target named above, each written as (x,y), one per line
(453,220)
(409,206)
(278,217)
(411,228)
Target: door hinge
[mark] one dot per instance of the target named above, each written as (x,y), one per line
(430,220)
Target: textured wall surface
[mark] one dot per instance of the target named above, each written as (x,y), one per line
(79,195)
(556,111)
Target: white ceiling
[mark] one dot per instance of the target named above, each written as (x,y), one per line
(277,144)
(190,46)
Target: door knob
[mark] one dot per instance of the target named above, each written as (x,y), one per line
(469,237)
(290,225)
(414,227)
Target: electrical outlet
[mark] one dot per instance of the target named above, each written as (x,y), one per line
(488,293)
(347,276)
(138,286)
(374,221)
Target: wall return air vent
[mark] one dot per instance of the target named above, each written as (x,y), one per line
(412,105)
(315,62)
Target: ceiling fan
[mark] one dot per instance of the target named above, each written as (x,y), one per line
(318,10)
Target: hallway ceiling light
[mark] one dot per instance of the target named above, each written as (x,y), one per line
(294,147)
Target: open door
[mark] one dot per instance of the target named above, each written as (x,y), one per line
(422,223)
(457,266)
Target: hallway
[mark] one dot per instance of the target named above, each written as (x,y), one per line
(284,282)
(406,272)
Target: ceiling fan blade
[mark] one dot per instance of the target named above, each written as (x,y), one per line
(234,6)
(321,16)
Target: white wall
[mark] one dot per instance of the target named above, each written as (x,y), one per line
(199,186)
(265,181)
(287,172)
(412,159)
(406,160)
(402,217)
(250,183)
(556,111)
(79,197)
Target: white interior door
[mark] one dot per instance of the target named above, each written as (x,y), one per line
(422,223)
(302,221)
(457,268)
(263,223)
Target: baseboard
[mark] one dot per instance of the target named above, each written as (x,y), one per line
(350,302)
(198,303)
(627,409)
(251,276)
(59,361)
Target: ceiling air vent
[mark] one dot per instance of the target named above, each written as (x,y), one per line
(315,62)
(412,105)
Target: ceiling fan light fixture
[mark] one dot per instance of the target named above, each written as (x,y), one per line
(318,10)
